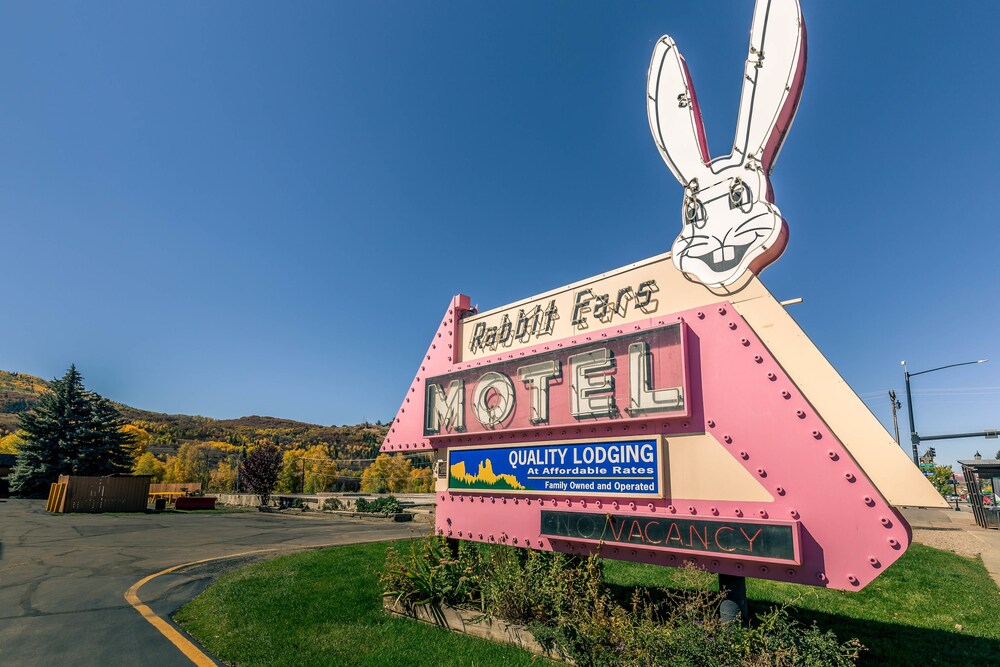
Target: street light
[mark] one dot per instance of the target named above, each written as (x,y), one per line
(914,437)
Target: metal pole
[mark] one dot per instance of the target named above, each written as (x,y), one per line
(914,438)
(941,368)
(953,436)
(734,603)
(452,546)
(895,419)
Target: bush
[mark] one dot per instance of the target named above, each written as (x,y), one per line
(430,575)
(386,505)
(566,604)
(332,504)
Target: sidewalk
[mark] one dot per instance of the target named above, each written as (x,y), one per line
(958,532)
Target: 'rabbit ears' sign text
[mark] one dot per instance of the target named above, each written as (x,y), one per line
(670,410)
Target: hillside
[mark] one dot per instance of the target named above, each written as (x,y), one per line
(19,391)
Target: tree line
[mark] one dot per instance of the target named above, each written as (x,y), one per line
(69,430)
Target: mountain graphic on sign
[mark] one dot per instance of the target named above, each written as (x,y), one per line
(484,478)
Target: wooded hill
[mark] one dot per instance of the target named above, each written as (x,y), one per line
(18,392)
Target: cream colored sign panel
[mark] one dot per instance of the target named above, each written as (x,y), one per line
(631,294)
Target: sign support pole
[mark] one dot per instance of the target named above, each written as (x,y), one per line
(734,604)
(452,546)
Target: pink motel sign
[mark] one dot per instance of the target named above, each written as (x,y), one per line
(766,463)
(669,411)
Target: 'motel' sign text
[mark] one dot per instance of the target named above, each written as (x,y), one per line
(628,377)
(669,411)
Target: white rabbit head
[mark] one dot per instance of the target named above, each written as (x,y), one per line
(729,223)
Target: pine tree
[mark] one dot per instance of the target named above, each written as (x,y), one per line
(69,431)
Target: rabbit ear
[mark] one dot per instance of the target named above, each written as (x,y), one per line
(674,116)
(772,81)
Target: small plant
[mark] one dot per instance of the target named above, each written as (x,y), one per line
(566,604)
(430,575)
(386,505)
(332,504)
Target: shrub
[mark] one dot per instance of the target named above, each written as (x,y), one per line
(566,604)
(430,575)
(386,505)
(332,504)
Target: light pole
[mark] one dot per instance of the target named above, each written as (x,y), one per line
(914,437)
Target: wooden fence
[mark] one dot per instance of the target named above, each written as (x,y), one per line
(57,498)
(125,493)
(189,487)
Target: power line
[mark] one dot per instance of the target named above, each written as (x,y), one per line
(956,392)
(872,394)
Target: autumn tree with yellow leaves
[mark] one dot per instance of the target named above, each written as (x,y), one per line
(9,443)
(148,464)
(138,438)
(188,466)
(387,474)
(223,478)
(309,470)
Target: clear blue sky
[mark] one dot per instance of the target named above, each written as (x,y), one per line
(235,208)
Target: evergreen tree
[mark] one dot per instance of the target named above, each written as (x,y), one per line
(69,431)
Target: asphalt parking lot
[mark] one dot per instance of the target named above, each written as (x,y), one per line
(63,577)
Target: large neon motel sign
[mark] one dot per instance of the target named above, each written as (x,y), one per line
(614,380)
(670,410)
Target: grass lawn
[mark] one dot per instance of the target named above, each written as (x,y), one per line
(907,616)
(324,608)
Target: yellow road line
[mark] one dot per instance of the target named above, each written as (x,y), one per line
(194,654)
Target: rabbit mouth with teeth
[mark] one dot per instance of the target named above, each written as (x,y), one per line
(723,259)
(729,222)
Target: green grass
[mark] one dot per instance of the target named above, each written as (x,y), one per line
(324,608)
(907,616)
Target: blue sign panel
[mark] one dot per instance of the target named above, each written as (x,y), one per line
(619,467)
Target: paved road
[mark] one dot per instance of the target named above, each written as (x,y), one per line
(63,577)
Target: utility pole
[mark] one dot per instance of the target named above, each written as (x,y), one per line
(896,405)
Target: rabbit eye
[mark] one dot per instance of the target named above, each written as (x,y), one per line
(694,211)
(739,193)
